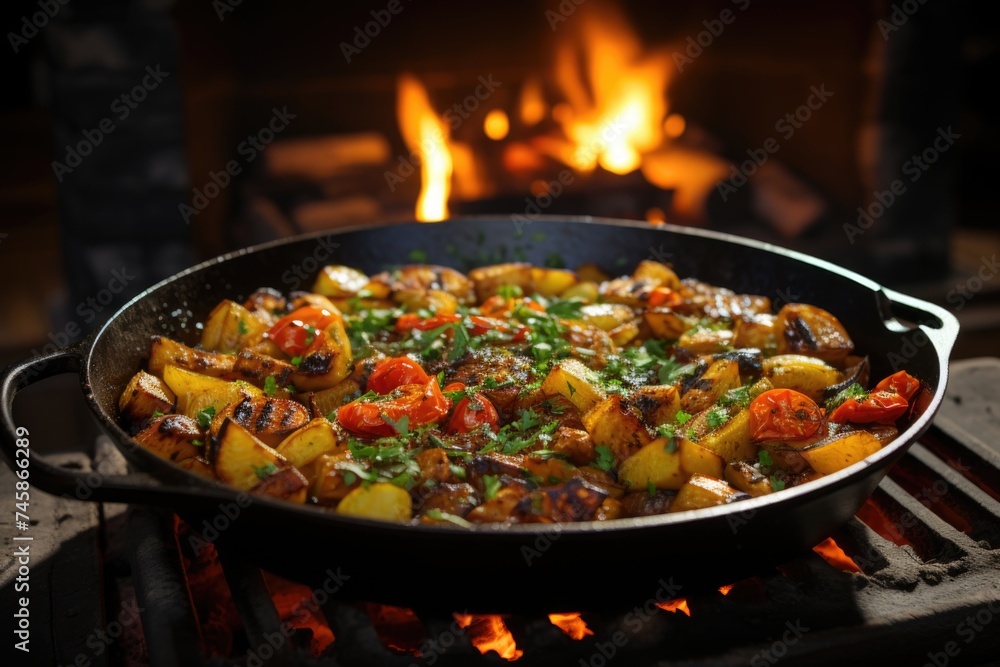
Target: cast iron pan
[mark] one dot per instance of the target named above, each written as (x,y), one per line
(498,568)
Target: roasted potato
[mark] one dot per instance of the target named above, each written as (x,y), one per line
(665,323)
(306,444)
(606,316)
(229,327)
(576,382)
(175,438)
(381,500)
(841,450)
(658,404)
(144,396)
(703,491)
(327,400)
(255,368)
(668,464)
(196,392)
(552,282)
(812,331)
(746,477)
(807,375)
(722,376)
(271,420)
(166,352)
(616,424)
(288,484)
(241,460)
(339,282)
(731,440)
(488,279)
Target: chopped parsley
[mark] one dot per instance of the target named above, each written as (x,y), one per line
(650,488)
(739,396)
(855,391)
(666,431)
(605,458)
(567,309)
(491,485)
(764,457)
(205,416)
(717,417)
(264,470)
(331,415)
(438,515)
(242,327)
(682,417)
(671,446)
(777,484)
(157,413)
(197,443)
(296,361)
(270,385)
(510,291)
(401,426)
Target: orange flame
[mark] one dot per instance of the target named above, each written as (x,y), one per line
(831,552)
(489,633)
(426,135)
(675,606)
(724,590)
(571,623)
(615,95)
(297,606)
(533,106)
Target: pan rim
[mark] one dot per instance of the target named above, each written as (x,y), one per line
(822,486)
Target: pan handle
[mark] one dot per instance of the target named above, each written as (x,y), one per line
(40,473)
(938,324)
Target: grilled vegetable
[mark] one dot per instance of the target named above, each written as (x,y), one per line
(242,460)
(144,396)
(516,394)
(702,491)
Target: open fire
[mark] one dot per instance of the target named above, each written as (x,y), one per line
(602,106)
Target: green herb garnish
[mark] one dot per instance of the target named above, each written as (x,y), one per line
(265,470)
(777,484)
(682,417)
(855,391)
(205,416)
(491,485)
(605,458)
(270,385)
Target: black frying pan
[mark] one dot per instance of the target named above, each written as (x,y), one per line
(499,568)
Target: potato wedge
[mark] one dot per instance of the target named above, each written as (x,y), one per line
(242,460)
(200,467)
(255,368)
(144,396)
(606,316)
(575,444)
(743,476)
(584,291)
(720,377)
(579,384)
(666,324)
(175,438)
(229,326)
(840,451)
(658,404)
(702,491)
(195,392)
(706,341)
(438,301)
(657,274)
(287,484)
(668,464)
(731,441)
(487,279)
(339,282)
(808,375)
(756,330)
(552,282)
(616,424)
(381,500)
(306,444)
(169,352)
(334,477)
(592,273)
(424,277)
(812,331)
(624,334)
(327,366)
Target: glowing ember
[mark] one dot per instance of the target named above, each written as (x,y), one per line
(489,633)
(496,125)
(615,95)
(571,623)
(297,606)
(725,589)
(831,552)
(675,606)
(399,629)
(426,135)
(674,125)
(533,106)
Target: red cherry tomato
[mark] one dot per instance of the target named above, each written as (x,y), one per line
(411,321)
(784,414)
(422,404)
(471,413)
(882,407)
(392,373)
(901,383)
(664,296)
(303,329)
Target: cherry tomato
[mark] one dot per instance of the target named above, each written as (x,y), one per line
(480,325)
(882,407)
(664,296)
(784,414)
(901,383)
(411,321)
(472,412)
(422,404)
(392,373)
(303,329)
